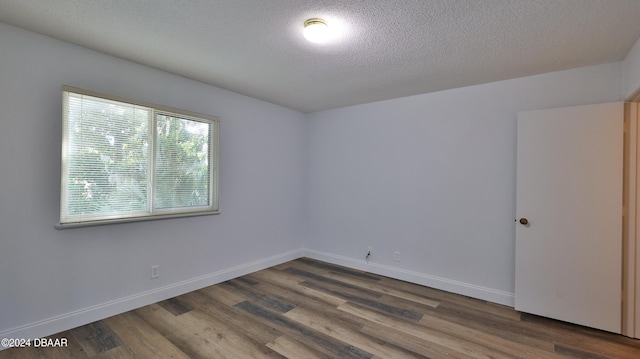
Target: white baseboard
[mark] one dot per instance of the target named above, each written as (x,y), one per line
(88,315)
(470,290)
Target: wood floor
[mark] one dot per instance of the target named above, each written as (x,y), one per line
(309,309)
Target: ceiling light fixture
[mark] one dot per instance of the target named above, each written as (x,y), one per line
(316,30)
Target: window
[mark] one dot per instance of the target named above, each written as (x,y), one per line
(124,160)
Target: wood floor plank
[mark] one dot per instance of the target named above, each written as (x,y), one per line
(412,343)
(443,296)
(487,339)
(281,276)
(282,279)
(408,328)
(175,306)
(341,286)
(332,283)
(291,348)
(306,266)
(96,338)
(464,313)
(120,352)
(178,332)
(339,269)
(235,343)
(364,298)
(299,300)
(283,266)
(271,300)
(224,294)
(73,350)
(201,336)
(495,325)
(314,304)
(141,338)
(578,353)
(310,337)
(377,287)
(341,331)
(566,335)
(232,317)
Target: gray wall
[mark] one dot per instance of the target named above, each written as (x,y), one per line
(631,71)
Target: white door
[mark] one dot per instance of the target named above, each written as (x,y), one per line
(569,193)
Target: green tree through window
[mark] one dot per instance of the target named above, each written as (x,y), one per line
(182,174)
(127,160)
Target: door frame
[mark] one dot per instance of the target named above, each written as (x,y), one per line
(631,219)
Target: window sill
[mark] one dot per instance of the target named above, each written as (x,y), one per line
(61,226)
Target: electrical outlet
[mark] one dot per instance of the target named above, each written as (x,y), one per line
(396,256)
(155,271)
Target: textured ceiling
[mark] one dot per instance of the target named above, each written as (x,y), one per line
(381,49)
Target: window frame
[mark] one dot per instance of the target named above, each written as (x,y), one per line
(150,213)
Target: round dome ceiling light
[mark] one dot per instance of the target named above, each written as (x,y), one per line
(316,30)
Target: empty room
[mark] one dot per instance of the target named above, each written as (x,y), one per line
(320,179)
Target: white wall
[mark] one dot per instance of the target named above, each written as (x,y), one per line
(51,279)
(631,71)
(433,177)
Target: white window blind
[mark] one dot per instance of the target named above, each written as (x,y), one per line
(123,160)
(182,175)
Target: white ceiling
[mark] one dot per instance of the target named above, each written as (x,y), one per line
(382,49)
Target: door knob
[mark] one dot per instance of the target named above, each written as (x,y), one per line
(524,221)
